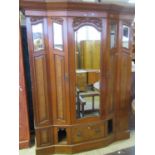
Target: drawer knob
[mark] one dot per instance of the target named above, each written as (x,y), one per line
(89,127)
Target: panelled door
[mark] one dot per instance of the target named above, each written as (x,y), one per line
(58,61)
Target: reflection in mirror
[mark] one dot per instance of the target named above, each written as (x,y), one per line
(87,59)
(57,32)
(125,38)
(113,31)
(37,31)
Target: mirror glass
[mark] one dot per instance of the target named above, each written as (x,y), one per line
(113,31)
(57,32)
(87,59)
(37,32)
(125,37)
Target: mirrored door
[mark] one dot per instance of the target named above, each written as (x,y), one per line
(87,59)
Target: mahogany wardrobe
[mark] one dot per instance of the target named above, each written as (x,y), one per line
(80,62)
(24,131)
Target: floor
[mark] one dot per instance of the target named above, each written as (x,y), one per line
(124,147)
(127,151)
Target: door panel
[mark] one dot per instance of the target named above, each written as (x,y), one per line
(125,80)
(111,82)
(60,87)
(41,90)
(58,61)
(44,137)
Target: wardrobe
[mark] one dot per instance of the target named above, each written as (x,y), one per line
(80,62)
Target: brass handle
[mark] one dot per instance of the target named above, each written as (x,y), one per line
(90,126)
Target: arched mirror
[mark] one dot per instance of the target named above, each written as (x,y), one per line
(87,59)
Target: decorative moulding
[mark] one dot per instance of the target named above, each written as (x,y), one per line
(80,21)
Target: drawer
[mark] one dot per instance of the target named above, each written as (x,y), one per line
(93,77)
(88,132)
(81,81)
(81,77)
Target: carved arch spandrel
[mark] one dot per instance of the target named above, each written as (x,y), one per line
(36,20)
(57,20)
(93,21)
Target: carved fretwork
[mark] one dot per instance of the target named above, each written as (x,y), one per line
(57,20)
(80,21)
(36,19)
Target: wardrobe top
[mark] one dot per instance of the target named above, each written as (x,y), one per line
(72,5)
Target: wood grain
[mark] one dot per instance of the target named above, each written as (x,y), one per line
(41,89)
(54,78)
(60,85)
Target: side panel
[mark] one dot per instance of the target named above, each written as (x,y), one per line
(123,85)
(24,133)
(39,67)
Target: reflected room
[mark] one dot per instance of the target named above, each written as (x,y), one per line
(87,59)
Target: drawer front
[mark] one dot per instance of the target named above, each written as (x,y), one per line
(81,81)
(93,77)
(87,132)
